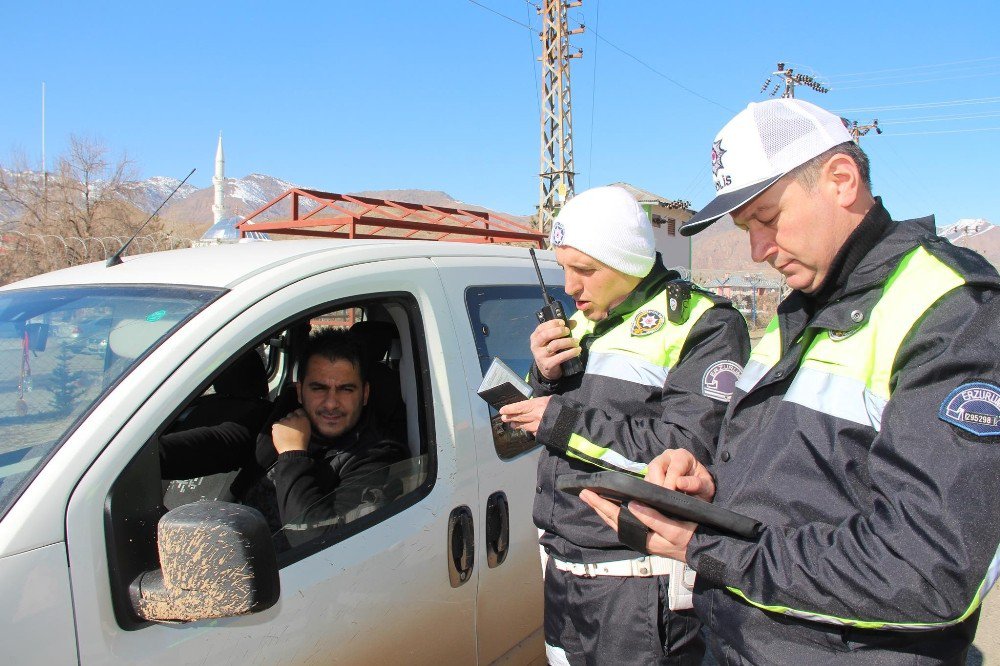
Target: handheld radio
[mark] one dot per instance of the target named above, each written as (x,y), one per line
(553,309)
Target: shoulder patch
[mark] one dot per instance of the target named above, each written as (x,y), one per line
(647,322)
(973,407)
(719,381)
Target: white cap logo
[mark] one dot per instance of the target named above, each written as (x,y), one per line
(717,152)
(557,233)
(763,143)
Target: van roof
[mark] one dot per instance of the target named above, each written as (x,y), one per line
(228,264)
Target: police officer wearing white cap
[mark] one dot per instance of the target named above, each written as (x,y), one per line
(661,361)
(864,432)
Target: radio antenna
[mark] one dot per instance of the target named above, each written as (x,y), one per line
(545,293)
(116,258)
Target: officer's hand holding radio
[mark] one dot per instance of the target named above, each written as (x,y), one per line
(551,345)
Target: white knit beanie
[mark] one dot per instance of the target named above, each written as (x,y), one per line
(608,224)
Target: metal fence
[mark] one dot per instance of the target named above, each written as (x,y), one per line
(73,249)
(24,254)
(755,294)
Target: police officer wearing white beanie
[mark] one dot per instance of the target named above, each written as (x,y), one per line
(608,224)
(660,362)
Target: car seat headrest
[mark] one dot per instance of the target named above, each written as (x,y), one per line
(245,378)
(375,337)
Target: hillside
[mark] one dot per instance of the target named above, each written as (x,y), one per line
(724,247)
(193,211)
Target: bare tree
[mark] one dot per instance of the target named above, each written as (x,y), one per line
(48,218)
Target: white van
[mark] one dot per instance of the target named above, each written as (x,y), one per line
(445,572)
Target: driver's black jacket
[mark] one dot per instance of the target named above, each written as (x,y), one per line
(299,488)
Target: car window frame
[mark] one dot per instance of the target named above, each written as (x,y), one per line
(114,540)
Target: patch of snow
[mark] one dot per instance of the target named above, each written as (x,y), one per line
(966,227)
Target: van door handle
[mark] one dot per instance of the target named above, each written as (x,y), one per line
(461,546)
(497,529)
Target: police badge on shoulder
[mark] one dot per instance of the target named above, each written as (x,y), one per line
(974,407)
(647,322)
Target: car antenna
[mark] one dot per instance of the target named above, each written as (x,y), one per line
(116,258)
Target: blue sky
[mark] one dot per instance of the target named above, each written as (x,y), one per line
(442,95)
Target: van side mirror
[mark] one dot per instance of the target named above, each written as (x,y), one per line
(216,560)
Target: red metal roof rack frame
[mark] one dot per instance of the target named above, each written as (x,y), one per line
(365,217)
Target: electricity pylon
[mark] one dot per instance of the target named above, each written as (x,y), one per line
(556,174)
(791,79)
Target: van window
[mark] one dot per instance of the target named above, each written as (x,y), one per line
(61,350)
(503,319)
(218,445)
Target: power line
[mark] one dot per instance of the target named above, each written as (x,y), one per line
(923,105)
(490,9)
(931,119)
(620,50)
(593,101)
(983,69)
(534,70)
(912,184)
(915,82)
(955,131)
(903,69)
(688,192)
(661,74)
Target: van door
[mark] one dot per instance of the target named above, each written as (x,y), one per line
(495,315)
(379,589)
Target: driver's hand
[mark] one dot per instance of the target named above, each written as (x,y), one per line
(292,432)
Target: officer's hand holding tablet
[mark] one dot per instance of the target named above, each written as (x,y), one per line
(677,487)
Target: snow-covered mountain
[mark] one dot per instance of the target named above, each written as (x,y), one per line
(189,211)
(243,196)
(965,228)
(150,193)
(977,234)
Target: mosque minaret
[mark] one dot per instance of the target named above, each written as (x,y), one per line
(219,211)
(223,229)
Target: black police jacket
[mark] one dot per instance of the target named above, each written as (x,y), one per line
(631,418)
(887,538)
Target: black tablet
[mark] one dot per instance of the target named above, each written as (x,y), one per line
(622,488)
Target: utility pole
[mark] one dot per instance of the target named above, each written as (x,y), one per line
(857,131)
(556,174)
(45,171)
(790,80)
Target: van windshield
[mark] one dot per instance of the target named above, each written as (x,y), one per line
(61,350)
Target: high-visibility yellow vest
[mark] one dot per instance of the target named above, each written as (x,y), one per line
(847,374)
(642,349)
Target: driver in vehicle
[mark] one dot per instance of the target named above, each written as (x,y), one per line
(315,465)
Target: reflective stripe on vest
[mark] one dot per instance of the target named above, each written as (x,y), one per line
(638,359)
(583,449)
(847,375)
(765,356)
